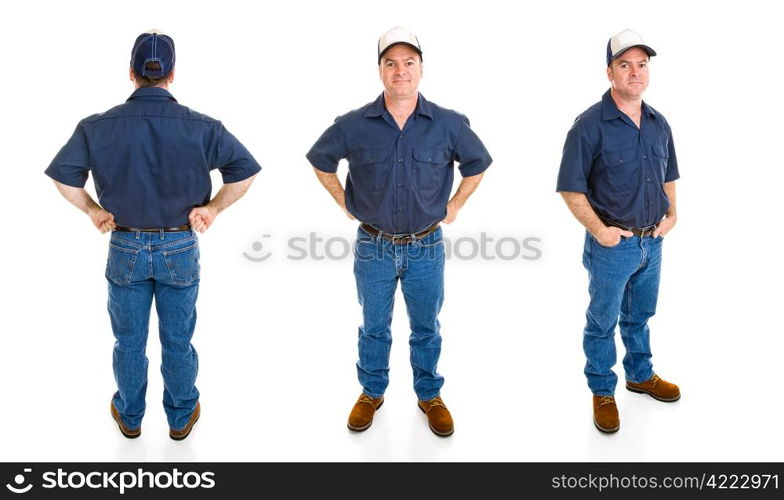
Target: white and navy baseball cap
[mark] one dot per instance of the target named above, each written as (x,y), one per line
(395,36)
(152,46)
(624,41)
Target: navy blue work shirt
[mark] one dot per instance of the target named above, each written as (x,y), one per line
(151,159)
(621,168)
(399,181)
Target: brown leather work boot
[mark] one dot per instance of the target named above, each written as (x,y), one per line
(361,415)
(605,414)
(438,417)
(181,434)
(657,388)
(127,432)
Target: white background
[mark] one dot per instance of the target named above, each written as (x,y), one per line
(277,339)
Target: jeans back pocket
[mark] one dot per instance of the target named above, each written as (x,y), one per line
(183,264)
(121,263)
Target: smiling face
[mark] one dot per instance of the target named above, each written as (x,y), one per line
(628,74)
(400,71)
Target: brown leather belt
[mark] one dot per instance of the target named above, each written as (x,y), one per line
(122,229)
(399,239)
(642,232)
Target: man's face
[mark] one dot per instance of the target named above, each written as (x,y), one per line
(628,74)
(400,71)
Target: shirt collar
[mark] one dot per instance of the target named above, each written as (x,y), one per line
(148,93)
(377,107)
(610,110)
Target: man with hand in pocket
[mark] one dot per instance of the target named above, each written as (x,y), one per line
(617,177)
(150,160)
(401,151)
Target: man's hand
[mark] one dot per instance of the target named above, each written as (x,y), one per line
(668,222)
(665,226)
(79,198)
(201,218)
(451,212)
(102,219)
(611,236)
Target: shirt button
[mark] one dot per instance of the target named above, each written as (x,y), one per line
(648,179)
(400,185)
(400,160)
(399,209)
(644,157)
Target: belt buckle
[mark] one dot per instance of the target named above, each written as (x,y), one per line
(648,231)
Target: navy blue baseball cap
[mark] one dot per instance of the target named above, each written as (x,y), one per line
(624,41)
(153,46)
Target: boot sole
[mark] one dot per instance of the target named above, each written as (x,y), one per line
(364,428)
(665,400)
(121,426)
(436,432)
(180,438)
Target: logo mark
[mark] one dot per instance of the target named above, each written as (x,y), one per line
(258,246)
(19,479)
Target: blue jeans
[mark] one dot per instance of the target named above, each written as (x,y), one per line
(624,282)
(165,266)
(419,266)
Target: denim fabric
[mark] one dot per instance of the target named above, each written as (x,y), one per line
(624,283)
(164,266)
(419,266)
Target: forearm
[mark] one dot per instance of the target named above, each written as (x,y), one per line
(332,184)
(466,188)
(78,197)
(583,212)
(669,190)
(230,193)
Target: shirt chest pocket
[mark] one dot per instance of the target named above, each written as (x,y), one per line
(623,169)
(430,168)
(370,168)
(661,158)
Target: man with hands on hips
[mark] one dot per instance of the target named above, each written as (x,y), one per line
(150,160)
(401,151)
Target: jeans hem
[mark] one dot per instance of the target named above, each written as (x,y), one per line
(435,395)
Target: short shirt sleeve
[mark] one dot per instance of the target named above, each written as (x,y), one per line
(576,161)
(232,159)
(328,150)
(71,166)
(672,163)
(470,153)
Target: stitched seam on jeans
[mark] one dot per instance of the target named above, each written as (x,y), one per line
(175,242)
(132,251)
(179,250)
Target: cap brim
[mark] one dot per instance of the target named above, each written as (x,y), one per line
(398,43)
